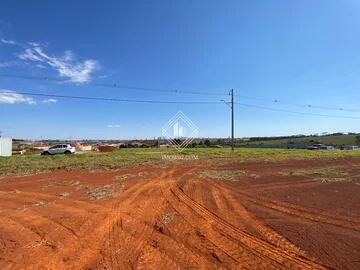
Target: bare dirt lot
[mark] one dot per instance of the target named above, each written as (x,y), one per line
(189,215)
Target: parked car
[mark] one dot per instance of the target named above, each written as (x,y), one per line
(317,146)
(320,146)
(59,149)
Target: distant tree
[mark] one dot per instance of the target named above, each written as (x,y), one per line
(207,142)
(357,141)
(178,141)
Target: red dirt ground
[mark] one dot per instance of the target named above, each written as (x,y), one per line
(175,218)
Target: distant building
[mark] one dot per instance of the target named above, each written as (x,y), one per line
(351,147)
(106,148)
(85,148)
(5,147)
(164,146)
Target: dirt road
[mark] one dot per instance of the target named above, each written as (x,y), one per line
(177,217)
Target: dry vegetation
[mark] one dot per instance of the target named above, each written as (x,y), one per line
(224,175)
(106,192)
(325,175)
(141,157)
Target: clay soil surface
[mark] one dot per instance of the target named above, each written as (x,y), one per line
(283,215)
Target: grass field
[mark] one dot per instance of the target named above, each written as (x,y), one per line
(337,140)
(251,209)
(153,156)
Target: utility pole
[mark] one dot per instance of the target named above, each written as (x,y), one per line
(232,119)
(231,105)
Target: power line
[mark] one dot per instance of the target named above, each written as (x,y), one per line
(310,106)
(116,85)
(176,91)
(179,91)
(182,102)
(118,99)
(296,112)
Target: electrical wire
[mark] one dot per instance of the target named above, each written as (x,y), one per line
(179,91)
(118,99)
(117,86)
(295,112)
(310,106)
(181,102)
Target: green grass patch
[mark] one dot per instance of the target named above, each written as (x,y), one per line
(330,139)
(226,175)
(133,157)
(319,172)
(325,175)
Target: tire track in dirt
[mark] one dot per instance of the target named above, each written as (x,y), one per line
(176,240)
(52,200)
(41,222)
(177,251)
(131,232)
(227,251)
(108,256)
(104,245)
(172,255)
(247,218)
(53,221)
(279,185)
(251,243)
(223,242)
(155,259)
(194,244)
(20,226)
(293,210)
(27,239)
(73,251)
(206,248)
(130,245)
(40,219)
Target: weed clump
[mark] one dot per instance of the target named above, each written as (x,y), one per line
(225,175)
(105,192)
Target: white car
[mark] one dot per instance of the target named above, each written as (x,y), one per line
(59,149)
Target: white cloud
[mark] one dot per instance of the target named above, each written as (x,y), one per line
(40,66)
(8,41)
(10,64)
(49,101)
(12,97)
(34,44)
(113,126)
(66,65)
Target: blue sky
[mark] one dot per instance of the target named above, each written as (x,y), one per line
(296,51)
